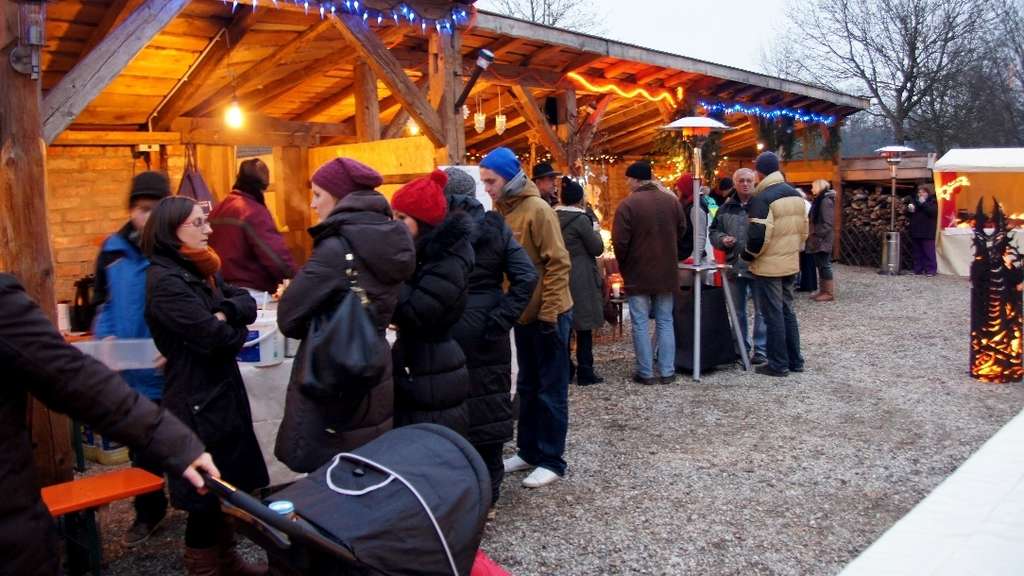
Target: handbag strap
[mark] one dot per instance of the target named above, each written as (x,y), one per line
(351,273)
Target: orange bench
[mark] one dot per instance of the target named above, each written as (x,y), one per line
(83,496)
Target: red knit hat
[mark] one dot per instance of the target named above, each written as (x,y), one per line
(342,176)
(684,187)
(423,199)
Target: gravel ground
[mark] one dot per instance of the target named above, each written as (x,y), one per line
(742,474)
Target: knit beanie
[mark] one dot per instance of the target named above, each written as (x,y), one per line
(423,199)
(725,184)
(639,170)
(684,187)
(459,183)
(572,192)
(253,177)
(342,176)
(150,184)
(503,162)
(766,163)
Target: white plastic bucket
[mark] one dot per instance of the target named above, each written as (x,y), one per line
(265,344)
(122,353)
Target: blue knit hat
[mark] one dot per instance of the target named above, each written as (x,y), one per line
(503,161)
(767,163)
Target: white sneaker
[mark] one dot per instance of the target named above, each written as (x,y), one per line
(540,477)
(516,464)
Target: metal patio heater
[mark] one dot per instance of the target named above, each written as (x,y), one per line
(891,245)
(696,130)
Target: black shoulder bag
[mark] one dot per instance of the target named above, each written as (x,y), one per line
(345,356)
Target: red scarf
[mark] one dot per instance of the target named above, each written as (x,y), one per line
(206,261)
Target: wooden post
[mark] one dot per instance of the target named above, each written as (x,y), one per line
(567,122)
(367,106)
(24,235)
(443,63)
(291,176)
(217,165)
(837,185)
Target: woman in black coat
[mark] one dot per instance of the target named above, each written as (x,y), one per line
(483,330)
(315,429)
(199,324)
(431,380)
(924,211)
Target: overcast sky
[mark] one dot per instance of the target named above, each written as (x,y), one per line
(730,32)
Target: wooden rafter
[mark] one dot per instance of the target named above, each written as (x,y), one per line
(489,141)
(270,93)
(254,74)
(540,54)
(388,70)
(218,53)
(581,62)
(95,72)
(367,106)
(503,45)
(589,128)
(326,104)
(114,15)
(618,68)
(651,74)
(531,111)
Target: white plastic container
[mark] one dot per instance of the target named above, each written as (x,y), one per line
(265,344)
(122,353)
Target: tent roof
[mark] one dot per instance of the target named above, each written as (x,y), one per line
(981,160)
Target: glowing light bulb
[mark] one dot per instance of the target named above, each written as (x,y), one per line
(413,127)
(760,146)
(233,116)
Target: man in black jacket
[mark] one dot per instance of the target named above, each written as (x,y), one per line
(35,360)
(924,212)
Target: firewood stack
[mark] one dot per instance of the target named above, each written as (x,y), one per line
(869,211)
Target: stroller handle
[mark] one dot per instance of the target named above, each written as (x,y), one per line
(297,528)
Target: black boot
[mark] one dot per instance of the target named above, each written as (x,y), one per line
(587,376)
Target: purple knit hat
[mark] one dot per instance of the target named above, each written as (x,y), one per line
(342,176)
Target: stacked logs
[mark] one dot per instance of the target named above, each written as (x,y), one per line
(868,211)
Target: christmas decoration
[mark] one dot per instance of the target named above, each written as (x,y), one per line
(399,13)
(765,112)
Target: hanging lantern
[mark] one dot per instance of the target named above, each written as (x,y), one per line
(499,123)
(465,112)
(479,119)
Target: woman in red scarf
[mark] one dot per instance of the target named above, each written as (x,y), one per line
(199,324)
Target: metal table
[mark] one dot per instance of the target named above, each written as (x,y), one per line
(699,270)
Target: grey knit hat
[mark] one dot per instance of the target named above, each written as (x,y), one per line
(459,183)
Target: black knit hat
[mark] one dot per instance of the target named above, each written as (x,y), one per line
(572,192)
(725,184)
(639,170)
(152,184)
(766,163)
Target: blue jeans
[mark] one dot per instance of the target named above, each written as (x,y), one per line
(743,288)
(775,300)
(543,390)
(639,314)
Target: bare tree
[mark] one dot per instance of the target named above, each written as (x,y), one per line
(899,51)
(577,15)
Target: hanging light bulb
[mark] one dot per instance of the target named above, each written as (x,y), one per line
(413,127)
(499,119)
(233,116)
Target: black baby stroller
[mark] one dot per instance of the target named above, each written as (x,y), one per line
(413,501)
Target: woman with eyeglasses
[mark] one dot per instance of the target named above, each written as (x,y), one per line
(199,324)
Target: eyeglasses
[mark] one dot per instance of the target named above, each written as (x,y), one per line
(199,223)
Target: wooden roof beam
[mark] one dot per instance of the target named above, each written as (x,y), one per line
(617,69)
(387,69)
(219,52)
(92,74)
(252,75)
(531,111)
(116,12)
(589,128)
(651,74)
(490,141)
(266,95)
(581,62)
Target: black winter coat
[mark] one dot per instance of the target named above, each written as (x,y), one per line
(483,330)
(584,245)
(35,360)
(314,430)
(431,380)
(923,218)
(204,387)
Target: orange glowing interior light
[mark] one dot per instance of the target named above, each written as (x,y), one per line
(632,92)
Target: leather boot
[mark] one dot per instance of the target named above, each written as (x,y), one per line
(827,292)
(587,376)
(231,563)
(202,561)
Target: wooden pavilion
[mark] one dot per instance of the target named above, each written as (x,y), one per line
(128,84)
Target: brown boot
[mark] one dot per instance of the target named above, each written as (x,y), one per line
(827,292)
(202,561)
(231,563)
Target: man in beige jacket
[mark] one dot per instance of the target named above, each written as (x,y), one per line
(542,334)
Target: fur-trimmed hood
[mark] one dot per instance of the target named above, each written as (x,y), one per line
(453,236)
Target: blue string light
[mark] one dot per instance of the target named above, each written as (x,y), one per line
(766,112)
(399,13)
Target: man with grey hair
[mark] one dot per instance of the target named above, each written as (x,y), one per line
(729,233)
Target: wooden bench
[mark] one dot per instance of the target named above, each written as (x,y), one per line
(78,500)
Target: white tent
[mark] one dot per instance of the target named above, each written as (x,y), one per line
(981,160)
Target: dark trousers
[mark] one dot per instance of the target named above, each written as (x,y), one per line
(775,301)
(491,455)
(203,529)
(151,507)
(584,353)
(808,273)
(823,262)
(924,255)
(543,389)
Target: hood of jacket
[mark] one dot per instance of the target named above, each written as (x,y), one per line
(364,219)
(768,181)
(457,227)
(472,208)
(511,199)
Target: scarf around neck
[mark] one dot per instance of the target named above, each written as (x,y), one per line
(205,260)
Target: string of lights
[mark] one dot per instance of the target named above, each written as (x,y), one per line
(766,112)
(652,95)
(399,14)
